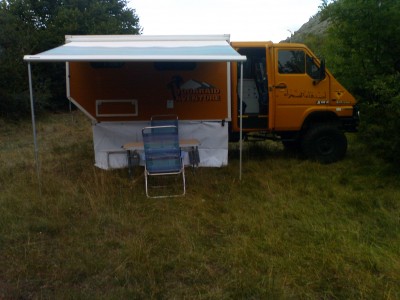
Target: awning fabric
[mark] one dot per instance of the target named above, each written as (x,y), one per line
(141,48)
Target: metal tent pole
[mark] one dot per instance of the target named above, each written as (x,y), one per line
(34,126)
(241,120)
(68,86)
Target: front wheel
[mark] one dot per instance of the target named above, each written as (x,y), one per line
(324,143)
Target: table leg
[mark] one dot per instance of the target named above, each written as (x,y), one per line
(128,152)
(194,157)
(133,161)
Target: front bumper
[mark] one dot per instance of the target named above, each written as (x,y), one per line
(350,124)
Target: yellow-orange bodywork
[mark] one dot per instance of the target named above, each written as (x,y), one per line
(292,97)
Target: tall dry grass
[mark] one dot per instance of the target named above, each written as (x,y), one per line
(290,229)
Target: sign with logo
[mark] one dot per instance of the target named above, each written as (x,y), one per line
(193,91)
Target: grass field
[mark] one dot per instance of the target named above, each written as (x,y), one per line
(291,229)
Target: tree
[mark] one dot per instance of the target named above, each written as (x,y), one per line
(32,26)
(364,46)
(364,37)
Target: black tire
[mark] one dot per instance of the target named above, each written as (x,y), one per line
(324,143)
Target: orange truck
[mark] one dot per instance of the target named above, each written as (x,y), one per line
(121,81)
(289,95)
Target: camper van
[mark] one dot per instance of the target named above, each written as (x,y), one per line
(219,91)
(289,95)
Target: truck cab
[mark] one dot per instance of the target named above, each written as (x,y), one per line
(288,94)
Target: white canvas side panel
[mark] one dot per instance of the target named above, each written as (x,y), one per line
(109,137)
(213,139)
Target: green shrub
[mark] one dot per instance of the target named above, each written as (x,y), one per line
(380,127)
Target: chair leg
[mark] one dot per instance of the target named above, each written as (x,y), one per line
(184,180)
(145,180)
(148,185)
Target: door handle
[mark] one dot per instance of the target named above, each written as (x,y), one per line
(281,86)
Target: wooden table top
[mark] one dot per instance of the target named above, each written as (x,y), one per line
(183,143)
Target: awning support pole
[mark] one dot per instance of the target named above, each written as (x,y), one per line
(34,128)
(241,120)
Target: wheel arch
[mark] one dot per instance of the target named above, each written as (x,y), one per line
(325,116)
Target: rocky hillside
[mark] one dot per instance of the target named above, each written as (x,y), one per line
(313,27)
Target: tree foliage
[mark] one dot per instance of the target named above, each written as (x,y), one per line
(33,26)
(364,39)
(362,46)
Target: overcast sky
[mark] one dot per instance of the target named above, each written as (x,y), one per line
(244,20)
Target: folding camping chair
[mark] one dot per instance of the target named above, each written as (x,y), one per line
(162,156)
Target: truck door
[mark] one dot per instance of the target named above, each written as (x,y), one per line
(255,88)
(297,86)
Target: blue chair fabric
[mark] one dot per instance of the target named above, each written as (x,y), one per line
(162,153)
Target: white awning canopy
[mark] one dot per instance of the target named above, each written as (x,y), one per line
(141,48)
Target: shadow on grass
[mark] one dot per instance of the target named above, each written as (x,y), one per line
(262,150)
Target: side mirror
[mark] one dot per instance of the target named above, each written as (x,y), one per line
(322,72)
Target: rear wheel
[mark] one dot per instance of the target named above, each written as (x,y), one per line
(324,143)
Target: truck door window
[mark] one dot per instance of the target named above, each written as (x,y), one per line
(312,69)
(291,62)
